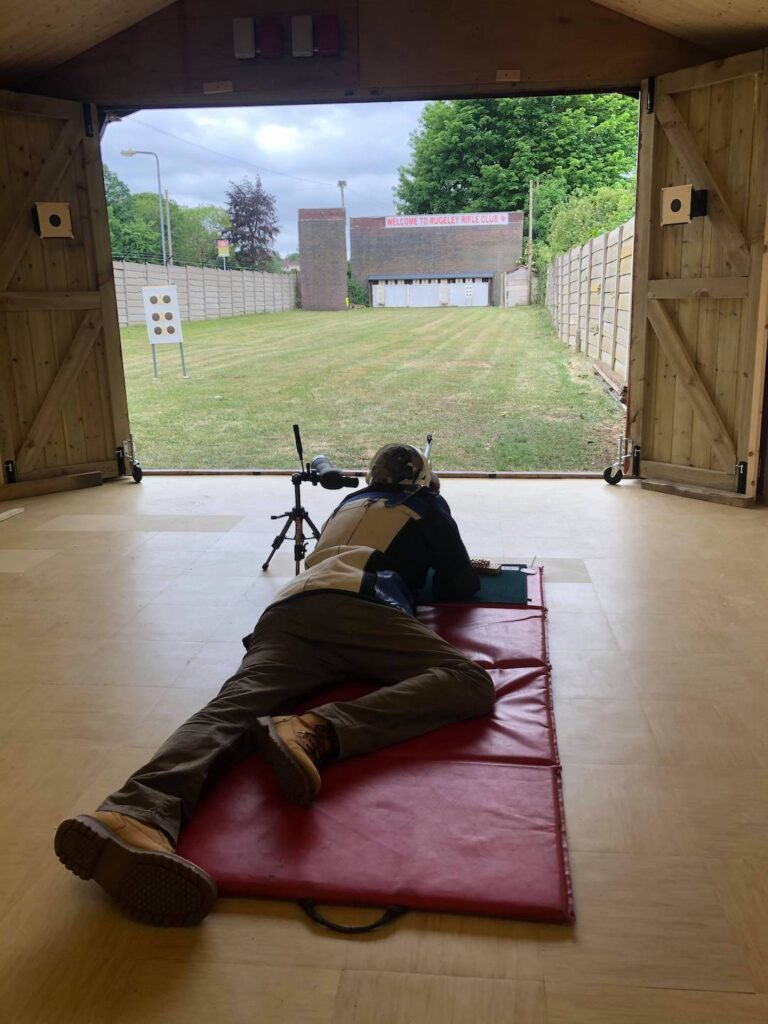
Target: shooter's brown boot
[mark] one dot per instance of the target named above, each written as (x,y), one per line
(136,865)
(297,746)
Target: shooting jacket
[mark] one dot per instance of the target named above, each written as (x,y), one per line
(379,545)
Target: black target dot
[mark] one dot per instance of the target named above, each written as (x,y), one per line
(158,330)
(171,330)
(676,206)
(166,298)
(169,316)
(54,220)
(153,299)
(155,316)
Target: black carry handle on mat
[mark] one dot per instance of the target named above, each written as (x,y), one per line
(390,914)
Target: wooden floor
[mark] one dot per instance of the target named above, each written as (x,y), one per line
(121,611)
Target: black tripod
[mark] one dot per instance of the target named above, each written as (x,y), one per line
(298,515)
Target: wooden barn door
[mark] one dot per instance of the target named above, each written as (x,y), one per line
(698,343)
(63,408)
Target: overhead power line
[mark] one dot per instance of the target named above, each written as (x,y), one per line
(237,159)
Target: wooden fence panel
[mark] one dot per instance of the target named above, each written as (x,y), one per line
(588,297)
(179,278)
(205,293)
(196,293)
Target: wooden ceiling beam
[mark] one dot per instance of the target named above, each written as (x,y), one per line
(727,27)
(398,50)
(38,35)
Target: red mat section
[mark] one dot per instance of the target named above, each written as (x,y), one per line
(467,818)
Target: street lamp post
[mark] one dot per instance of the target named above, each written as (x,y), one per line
(147,152)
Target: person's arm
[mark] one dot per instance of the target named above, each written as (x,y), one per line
(454,576)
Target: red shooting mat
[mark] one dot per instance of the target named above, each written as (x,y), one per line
(467,818)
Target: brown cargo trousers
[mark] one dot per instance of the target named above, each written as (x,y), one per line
(298,647)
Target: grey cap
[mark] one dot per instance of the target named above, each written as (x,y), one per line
(399,464)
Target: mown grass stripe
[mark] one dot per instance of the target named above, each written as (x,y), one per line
(494,386)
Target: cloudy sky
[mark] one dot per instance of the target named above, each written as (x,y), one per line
(300,153)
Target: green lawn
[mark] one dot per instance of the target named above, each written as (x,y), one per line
(494,386)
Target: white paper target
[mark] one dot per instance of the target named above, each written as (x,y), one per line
(161,309)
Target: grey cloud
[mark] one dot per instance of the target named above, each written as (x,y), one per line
(362,143)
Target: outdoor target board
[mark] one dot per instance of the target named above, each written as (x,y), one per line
(161,309)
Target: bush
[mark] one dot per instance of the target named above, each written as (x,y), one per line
(587,216)
(358,294)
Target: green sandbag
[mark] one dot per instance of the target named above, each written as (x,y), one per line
(510,586)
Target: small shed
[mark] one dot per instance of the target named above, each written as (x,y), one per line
(516,287)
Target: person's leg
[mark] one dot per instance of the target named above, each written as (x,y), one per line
(280,666)
(431,683)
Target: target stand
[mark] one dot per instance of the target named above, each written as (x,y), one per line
(161,311)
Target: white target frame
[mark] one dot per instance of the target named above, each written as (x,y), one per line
(163,319)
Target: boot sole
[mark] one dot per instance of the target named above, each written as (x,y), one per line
(289,775)
(155,888)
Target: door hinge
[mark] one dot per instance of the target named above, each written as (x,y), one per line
(88,119)
(650,95)
(741,477)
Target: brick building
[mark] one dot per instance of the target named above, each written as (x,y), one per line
(435,259)
(323,258)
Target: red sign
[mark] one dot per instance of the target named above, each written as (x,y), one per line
(446,220)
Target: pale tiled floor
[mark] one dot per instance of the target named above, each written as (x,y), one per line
(121,611)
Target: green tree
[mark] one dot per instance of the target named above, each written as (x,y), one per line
(118,195)
(470,155)
(195,230)
(145,225)
(134,224)
(132,237)
(583,217)
(253,223)
(577,219)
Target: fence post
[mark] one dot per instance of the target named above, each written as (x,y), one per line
(588,326)
(580,261)
(602,300)
(552,287)
(616,292)
(567,297)
(563,296)
(576,254)
(556,296)
(566,300)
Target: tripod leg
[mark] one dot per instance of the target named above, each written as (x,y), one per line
(313,528)
(278,541)
(300,545)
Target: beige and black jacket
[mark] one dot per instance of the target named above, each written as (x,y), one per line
(379,545)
